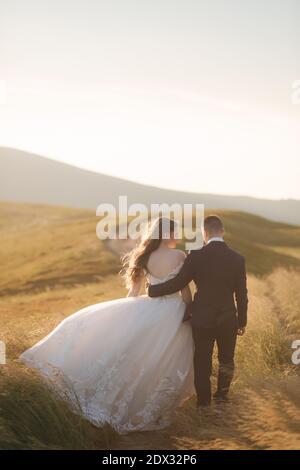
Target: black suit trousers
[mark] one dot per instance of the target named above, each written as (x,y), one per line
(204,339)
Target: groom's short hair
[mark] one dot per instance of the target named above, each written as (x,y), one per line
(213,224)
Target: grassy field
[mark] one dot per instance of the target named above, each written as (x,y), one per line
(52,265)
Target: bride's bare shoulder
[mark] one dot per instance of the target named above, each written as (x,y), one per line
(175,256)
(162,261)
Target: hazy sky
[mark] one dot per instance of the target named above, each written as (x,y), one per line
(185,94)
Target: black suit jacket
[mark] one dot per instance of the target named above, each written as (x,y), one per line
(220,277)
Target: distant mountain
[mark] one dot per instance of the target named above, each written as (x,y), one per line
(25,177)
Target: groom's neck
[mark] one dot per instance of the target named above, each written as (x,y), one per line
(217,238)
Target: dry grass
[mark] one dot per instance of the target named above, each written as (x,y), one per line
(52,265)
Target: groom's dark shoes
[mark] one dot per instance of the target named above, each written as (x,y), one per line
(221,398)
(204,412)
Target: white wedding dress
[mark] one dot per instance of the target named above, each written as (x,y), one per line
(126,362)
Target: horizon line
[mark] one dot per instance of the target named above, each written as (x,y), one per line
(53,159)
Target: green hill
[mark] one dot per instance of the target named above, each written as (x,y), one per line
(47,247)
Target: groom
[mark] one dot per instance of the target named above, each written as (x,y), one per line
(219,308)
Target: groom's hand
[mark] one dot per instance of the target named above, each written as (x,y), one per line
(188,313)
(241,331)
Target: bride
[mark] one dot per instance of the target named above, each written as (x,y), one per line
(126,362)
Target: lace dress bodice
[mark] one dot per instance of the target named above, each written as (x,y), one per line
(159,280)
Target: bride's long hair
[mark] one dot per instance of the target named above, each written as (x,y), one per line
(136,260)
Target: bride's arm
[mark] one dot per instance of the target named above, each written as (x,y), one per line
(136,288)
(186,295)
